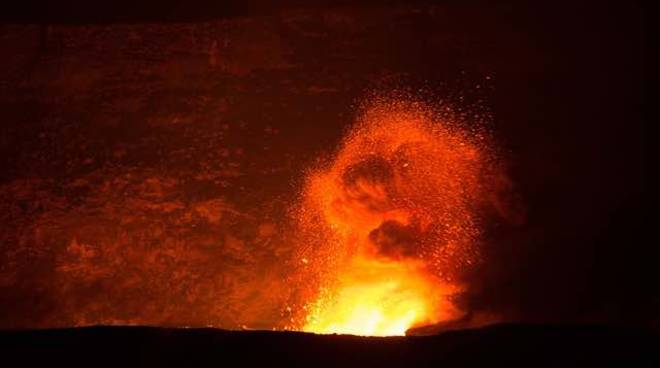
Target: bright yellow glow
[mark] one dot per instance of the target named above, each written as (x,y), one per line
(378,298)
(390,222)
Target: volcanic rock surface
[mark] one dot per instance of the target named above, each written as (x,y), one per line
(503,345)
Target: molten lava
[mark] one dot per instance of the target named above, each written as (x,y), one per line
(381,298)
(390,222)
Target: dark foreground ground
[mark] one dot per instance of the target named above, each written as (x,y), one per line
(527,345)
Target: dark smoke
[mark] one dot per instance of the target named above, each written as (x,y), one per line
(395,240)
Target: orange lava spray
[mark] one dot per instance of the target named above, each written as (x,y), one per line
(390,221)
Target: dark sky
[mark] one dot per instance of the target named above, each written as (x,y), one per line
(563,81)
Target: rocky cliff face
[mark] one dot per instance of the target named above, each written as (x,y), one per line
(147,167)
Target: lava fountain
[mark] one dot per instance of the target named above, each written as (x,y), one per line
(390,221)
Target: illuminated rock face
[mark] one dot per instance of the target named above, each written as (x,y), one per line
(147,168)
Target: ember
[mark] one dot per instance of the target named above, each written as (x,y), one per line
(392,221)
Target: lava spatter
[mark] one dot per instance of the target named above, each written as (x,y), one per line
(390,221)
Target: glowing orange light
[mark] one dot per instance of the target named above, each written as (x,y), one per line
(380,298)
(391,222)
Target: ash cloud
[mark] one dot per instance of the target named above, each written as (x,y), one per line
(395,240)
